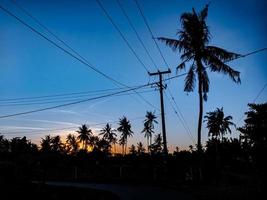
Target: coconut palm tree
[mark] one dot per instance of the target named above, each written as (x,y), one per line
(140,148)
(71,142)
(193,42)
(132,150)
(149,127)
(56,144)
(217,124)
(109,135)
(46,143)
(156,147)
(125,130)
(122,142)
(84,135)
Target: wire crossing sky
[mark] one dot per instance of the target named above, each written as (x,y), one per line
(32,67)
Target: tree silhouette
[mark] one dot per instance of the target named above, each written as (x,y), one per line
(46,144)
(72,144)
(192,42)
(254,135)
(217,124)
(4,144)
(156,147)
(56,144)
(84,135)
(125,130)
(132,150)
(140,148)
(122,142)
(110,135)
(149,127)
(19,145)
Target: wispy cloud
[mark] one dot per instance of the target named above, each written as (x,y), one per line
(22,127)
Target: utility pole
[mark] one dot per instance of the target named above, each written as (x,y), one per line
(161,88)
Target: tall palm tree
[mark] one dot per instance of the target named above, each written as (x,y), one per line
(84,135)
(217,124)
(125,130)
(122,142)
(149,127)
(193,42)
(109,135)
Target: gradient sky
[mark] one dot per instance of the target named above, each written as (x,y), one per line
(30,66)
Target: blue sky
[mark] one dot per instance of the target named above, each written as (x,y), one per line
(30,66)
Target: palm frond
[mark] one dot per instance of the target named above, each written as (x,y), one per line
(216,65)
(205,84)
(190,79)
(204,13)
(173,43)
(222,54)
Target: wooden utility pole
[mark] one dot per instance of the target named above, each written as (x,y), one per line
(161,88)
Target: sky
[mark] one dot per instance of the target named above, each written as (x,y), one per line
(30,66)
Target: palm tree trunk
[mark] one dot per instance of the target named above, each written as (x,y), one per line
(114,148)
(147,144)
(125,147)
(200,95)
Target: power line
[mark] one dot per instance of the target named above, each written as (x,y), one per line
(151,33)
(71,103)
(254,52)
(79,57)
(121,34)
(136,33)
(60,100)
(60,95)
(260,92)
(58,46)
(179,111)
(71,127)
(181,121)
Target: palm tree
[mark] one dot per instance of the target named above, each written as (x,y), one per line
(109,134)
(84,135)
(192,42)
(156,147)
(149,127)
(217,124)
(140,148)
(56,144)
(122,142)
(72,143)
(132,150)
(125,130)
(46,143)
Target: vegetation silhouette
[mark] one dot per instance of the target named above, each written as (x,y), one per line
(193,42)
(110,135)
(85,136)
(218,125)
(149,127)
(126,132)
(223,168)
(226,161)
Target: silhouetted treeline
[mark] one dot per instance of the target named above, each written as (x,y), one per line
(86,157)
